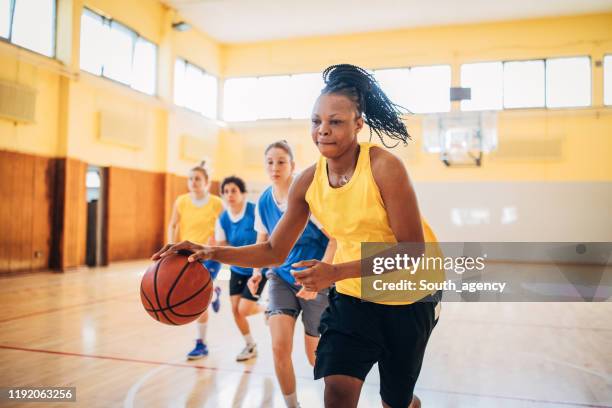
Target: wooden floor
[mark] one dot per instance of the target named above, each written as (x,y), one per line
(87,329)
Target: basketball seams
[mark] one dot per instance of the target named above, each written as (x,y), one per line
(182,301)
(157,294)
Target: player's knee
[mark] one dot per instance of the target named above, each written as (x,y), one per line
(236,310)
(341,391)
(281,349)
(244,308)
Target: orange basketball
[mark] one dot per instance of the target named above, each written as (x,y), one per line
(174,291)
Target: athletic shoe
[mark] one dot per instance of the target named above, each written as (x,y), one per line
(249,352)
(200,351)
(216,304)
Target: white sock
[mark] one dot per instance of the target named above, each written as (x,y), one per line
(249,339)
(291,400)
(202,331)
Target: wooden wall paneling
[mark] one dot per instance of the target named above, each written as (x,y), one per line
(15,230)
(25,252)
(42,213)
(5,208)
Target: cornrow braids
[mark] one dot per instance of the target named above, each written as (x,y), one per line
(378,111)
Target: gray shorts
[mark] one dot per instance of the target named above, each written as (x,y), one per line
(283,301)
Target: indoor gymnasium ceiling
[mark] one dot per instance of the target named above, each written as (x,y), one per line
(233,21)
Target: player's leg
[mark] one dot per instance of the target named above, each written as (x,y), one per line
(351,342)
(283,310)
(214,267)
(407,331)
(201,349)
(311,318)
(238,288)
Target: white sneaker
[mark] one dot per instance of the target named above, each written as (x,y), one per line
(249,352)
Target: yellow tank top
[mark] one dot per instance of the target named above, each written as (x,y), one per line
(352,214)
(197,224)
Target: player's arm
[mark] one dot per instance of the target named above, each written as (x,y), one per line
(400,202)
(272,252)
(173,225)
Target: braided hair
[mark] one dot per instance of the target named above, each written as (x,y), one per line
(379,112)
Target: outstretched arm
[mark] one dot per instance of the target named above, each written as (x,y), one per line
(272,252)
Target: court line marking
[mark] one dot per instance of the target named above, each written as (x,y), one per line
(57,309)
(130,397)
(247,371)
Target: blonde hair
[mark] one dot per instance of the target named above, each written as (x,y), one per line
(202,169)
(281,144)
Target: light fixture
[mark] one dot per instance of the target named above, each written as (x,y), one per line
(181,26)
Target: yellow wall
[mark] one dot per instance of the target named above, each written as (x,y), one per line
(584,133)
(69,101)
(41,137)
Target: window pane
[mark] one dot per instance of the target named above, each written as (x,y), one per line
(34,25)
(240,101)
(568,82)
(608,80)
(524,84)
(305,89)
(180,85)
(93,40)
(118,63)
(429,89)
(5,17)
(195,84)
(273,92)
(486,82)
(145,66)
(209,96)
(396,84)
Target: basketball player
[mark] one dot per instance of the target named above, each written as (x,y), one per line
(235,227)
(287,299)
(193,218)
(360,193)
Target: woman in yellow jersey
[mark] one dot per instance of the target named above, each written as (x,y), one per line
(359,193)
(193,219)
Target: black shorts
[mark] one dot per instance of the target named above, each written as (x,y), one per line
(238,286)
(356,334)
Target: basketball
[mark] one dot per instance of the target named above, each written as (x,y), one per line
(175,291)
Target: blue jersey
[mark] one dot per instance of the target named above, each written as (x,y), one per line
(311,244)
(240,233)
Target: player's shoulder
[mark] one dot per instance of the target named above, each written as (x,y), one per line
(304,179)
(383,161)
(181,199)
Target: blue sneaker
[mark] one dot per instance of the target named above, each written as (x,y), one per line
(216,304)
(200,351)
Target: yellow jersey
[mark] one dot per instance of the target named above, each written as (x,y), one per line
(197,224)
(352,214)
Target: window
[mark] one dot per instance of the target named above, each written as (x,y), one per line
(568,82)
(430,89)
(418,89)
(273,93)
(29,24)
(112,50)
(608,80)
(271,97)
(524,84)
(5,18)
(240,99)
(195,89)
(485,81)
(396,84)
(305,89)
